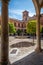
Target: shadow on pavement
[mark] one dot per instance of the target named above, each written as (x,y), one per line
(32,59)
(22,44)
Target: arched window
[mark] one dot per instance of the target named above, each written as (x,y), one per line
(18,24)
(15,24)
(22,25)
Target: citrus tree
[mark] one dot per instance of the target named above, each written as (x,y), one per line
(19,31)
(12,28)
(31,28)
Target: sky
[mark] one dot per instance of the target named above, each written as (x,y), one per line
(16,7)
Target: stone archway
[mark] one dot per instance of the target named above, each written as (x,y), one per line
(38,5)
(4,37)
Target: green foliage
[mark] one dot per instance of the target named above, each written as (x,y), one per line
(42,30)
(19,31)
(31,27)
(12,28)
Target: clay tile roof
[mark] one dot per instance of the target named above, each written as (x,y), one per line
(25,11)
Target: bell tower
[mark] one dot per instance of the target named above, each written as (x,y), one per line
(25,15)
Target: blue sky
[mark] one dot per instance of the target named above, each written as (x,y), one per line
(16,7)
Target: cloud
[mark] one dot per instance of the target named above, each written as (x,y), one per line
(13,16)
(15,13)
(0,10)
(31,14)
(18,12)
(41,11)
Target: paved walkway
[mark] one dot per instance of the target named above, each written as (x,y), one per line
(23,52)
(26,55)
(31,59)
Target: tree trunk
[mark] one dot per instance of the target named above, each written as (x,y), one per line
(33,39)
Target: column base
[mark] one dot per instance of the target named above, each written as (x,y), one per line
(4,63)
(9,63)
(38,50)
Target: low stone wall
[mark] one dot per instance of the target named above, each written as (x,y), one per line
(21,37)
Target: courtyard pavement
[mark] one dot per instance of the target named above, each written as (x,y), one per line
(23,51)
(25,55)
(31,59)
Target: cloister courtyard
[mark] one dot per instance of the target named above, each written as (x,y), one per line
(22,50)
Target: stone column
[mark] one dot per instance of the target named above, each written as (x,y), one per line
(38,49)
(4,36)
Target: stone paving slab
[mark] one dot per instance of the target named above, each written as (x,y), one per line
(12,40)
(21,54)
(31,59)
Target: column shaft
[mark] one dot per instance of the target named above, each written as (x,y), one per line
(38,49)
(4,36)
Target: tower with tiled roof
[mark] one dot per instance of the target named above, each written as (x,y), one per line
(25,15)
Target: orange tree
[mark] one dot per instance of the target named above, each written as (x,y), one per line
(31,28)
(12,28)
